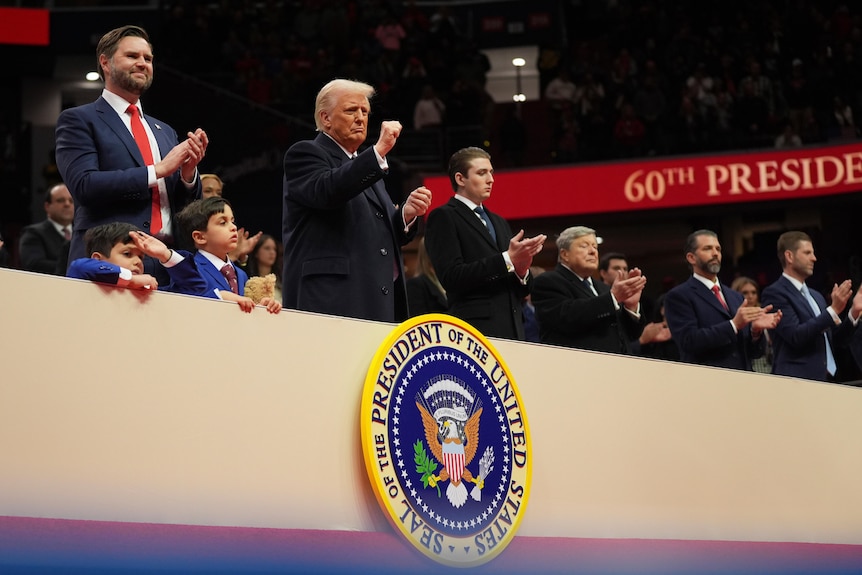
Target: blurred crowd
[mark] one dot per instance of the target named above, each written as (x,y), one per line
(618,79)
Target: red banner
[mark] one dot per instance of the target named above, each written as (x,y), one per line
(671,183)
(24,26)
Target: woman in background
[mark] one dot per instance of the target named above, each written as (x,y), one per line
(751,292)
(424,292)
(266,259)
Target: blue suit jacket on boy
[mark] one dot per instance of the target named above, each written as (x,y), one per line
(213,277)
(185,277)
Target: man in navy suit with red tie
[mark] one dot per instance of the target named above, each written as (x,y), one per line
(711,323)
(119,164)
(807,342)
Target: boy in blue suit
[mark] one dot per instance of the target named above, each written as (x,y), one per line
(214,233)
(117,251)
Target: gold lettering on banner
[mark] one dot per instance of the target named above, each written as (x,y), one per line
(655,183)
(853,168)
(789,175)
(821,170)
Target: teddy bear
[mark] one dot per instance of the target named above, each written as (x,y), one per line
(259,287)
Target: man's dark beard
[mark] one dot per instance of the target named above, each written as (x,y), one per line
(125,81)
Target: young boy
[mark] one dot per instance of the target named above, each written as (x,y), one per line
(215,234)
(116,257)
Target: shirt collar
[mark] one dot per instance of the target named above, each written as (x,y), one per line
(706,281)
(118,103)
(214,260)
(796,283)
(343,149)
(466,201)
(59,227)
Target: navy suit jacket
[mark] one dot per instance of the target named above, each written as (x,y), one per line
(798,346)
(41,248)
(569,314)
(471,268)
(106,175)
(701,328)
(213,277)
(184,276)
(342,235)
(854,356)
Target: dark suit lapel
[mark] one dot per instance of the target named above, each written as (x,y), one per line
(705,294)
(575,281)
(472,220)
(499,227)
(113,121)
(52,236)
(378,196)
(373,193)
(795,295)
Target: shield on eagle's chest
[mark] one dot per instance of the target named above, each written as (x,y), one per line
(453,461)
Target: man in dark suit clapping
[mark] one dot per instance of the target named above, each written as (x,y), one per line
(483,267)
(711,323)
(120,164)
(574,311)
(806,342)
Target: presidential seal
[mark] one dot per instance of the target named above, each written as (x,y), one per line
(445,440)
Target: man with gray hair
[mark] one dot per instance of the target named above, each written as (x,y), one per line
(342,233)
(711,323)
(574,311)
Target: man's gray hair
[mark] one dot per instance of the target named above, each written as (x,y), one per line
(331,92)
(568,235)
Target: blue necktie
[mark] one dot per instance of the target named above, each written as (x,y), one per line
(588,283)
(830,359)
(484,215)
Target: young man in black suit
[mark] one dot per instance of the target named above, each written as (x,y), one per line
(483,267)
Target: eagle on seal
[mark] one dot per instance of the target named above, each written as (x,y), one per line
(453,441)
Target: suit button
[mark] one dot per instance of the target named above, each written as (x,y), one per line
(147,225)
(385,290)
(380,215)
(383,252)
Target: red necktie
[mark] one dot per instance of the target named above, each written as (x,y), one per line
(143,143)
(67,233)
(230,275)
(717,291)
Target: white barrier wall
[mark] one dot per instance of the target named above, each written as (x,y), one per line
(122,406)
